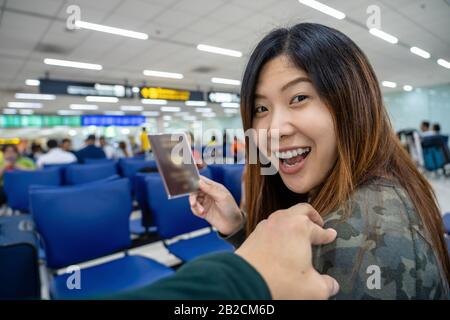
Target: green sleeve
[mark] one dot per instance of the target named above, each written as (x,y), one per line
(26,162)
(220,276)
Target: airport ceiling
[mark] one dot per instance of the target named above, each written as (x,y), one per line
(32,30)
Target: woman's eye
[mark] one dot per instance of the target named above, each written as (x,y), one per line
(260,109)
(299,98)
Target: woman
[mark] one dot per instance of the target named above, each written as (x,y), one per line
(337,152)
(12,160)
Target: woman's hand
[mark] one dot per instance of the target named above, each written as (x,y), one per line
(214,203)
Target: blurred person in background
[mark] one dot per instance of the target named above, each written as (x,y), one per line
(237,149)
(437,128)
(107,148)
(122,151)
(36,151)
(66,145)
(23,146)
(195,154)
(55,155)
(145,142)
(135,148)
(425,129)
(12,160)
(90,151)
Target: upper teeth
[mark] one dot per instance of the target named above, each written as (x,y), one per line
(291,153)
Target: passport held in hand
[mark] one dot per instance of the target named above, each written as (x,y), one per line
(175,163)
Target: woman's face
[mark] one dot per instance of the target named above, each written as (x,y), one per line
(286,100)
(10,154)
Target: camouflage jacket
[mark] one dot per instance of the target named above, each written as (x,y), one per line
(381,251)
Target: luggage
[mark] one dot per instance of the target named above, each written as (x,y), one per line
(19,268)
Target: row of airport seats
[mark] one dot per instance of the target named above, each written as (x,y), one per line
(17,183)
(85,221)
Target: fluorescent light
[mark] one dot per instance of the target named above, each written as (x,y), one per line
(25,105)
(226,52)
(114,113)
(162,74)
(112,30)
(170,109)
(26,111)
(231,111)
(190,103)
(72,64)
(389,84)
(407,87)
(444,63)
(203,109)
(131,108)
(32,82)
(102,99)
(154,101)
(69,113)
(323,8)
(35,96)
(226,81)
(83,107)
(383,35)
(167,118)
(189,118)
(230,104)
(135,89)
(209,115)
(150,113)
(125,131)
(420,52)
(9,111)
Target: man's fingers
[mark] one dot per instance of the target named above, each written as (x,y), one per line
(309,211)
(315,217)
(322,236)
(331,285)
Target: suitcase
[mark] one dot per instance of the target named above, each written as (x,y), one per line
(19,266)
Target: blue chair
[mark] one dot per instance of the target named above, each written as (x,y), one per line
(17,184)
(446,219)
(62,169)
(174,217)
(448,244)
(217,172)
(232,180)
(81,223)
(100,160)
(129,167)
(84,173)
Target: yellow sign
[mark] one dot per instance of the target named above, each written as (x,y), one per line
(9,141)
(165,94)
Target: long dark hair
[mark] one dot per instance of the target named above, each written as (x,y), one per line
(367,146)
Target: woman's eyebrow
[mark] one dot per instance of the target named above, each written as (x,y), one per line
(294,82)
(286,86)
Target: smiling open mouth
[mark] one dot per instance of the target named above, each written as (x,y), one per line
(292,157)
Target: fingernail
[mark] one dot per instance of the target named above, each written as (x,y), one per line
(333,231)
(335,289)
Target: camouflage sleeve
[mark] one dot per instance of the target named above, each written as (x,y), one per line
(380,251)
